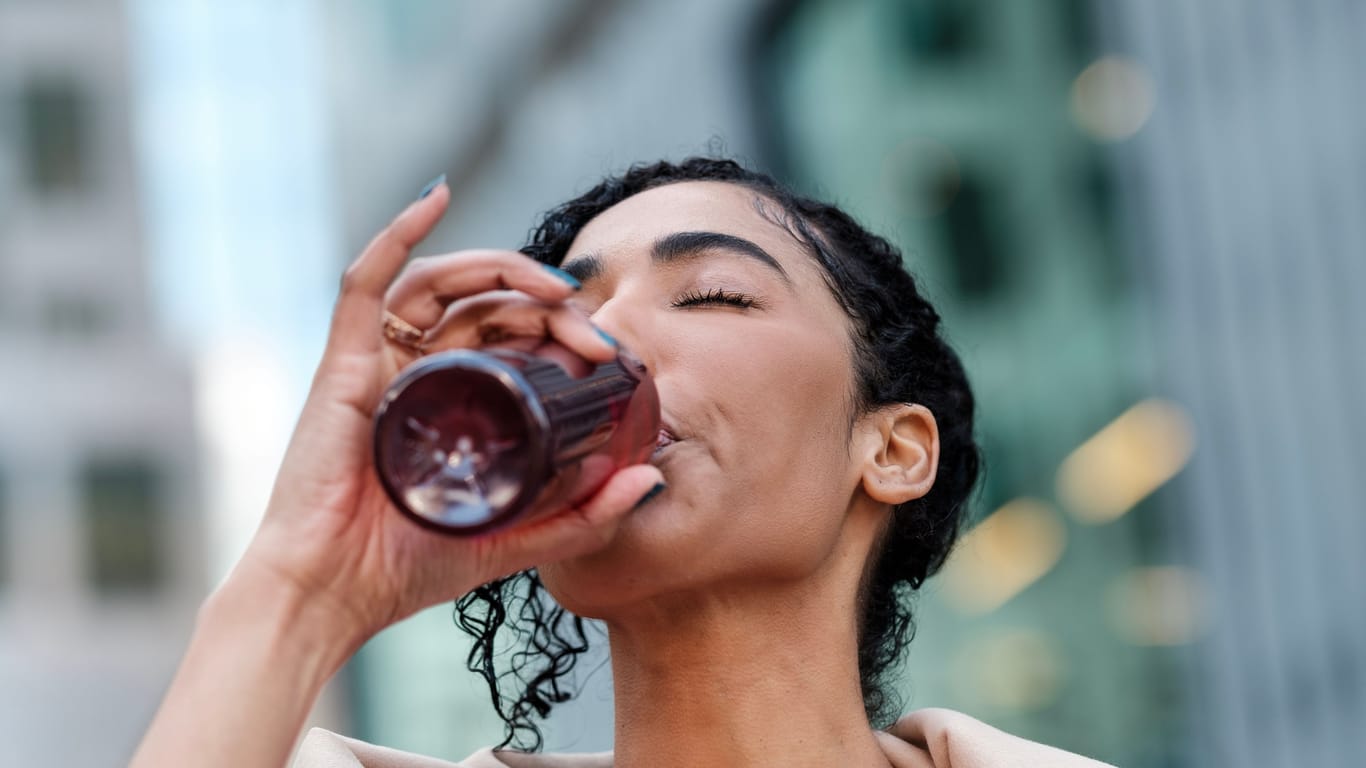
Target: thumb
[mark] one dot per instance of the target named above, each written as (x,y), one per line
(625,492)
(582,529)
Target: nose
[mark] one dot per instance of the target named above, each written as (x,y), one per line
(629,325)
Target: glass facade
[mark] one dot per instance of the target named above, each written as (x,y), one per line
(946,127)
(5,535)
(412,690)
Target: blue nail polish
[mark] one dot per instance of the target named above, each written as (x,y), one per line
(653,492)
(607,337)
(563,275)
(431,186)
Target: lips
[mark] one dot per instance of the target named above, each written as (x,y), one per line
(666,438)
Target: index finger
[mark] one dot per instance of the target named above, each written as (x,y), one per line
(356,318)
(431,284)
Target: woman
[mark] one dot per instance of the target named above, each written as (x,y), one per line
(814,467)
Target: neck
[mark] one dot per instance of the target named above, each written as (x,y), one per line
(764,677)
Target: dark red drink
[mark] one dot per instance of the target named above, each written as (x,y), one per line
(468,441)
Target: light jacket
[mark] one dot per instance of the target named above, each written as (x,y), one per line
(927,738)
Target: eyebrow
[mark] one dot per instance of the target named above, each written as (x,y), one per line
(680,246)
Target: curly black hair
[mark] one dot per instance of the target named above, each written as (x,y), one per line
(900,357)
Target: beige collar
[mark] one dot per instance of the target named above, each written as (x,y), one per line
(927,738)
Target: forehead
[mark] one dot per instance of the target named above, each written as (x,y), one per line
(692,206)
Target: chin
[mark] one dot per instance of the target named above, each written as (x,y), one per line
(648,557)
(598,585)
(585,601)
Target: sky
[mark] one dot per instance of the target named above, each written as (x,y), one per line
(233,147)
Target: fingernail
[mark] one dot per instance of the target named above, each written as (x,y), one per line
(607,337)
(432,185)
(650,494)
(563,275)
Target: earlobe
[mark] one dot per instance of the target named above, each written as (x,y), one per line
(904,457)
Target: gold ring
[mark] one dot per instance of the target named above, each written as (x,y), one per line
(402,332)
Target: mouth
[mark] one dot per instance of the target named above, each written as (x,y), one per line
(665,439)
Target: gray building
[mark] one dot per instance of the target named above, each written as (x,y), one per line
(100,541)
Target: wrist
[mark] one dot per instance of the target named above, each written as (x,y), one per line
(261,652)
(308,634)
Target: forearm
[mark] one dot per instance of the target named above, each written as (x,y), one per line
(259,656)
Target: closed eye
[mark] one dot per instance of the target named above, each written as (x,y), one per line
(716,296)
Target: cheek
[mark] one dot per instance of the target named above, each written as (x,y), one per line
(779,434)
(775,398)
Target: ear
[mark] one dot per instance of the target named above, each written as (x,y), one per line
(901,453)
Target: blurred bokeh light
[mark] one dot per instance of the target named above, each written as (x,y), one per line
(1125,461)
(1009,550)
(1112,98)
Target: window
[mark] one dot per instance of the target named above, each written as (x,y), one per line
(55,129)
(124,525)
(1096,188)
(72,315)
(939,30)
(1076,21)
(972,236)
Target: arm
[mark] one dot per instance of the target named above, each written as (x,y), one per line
(333,562)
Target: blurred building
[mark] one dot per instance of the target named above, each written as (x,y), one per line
(1246,194)
(948,127)
(100,537)
(1140,221)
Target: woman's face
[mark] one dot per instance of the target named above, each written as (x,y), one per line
(753,361)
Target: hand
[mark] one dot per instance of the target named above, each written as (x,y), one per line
(329,530)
